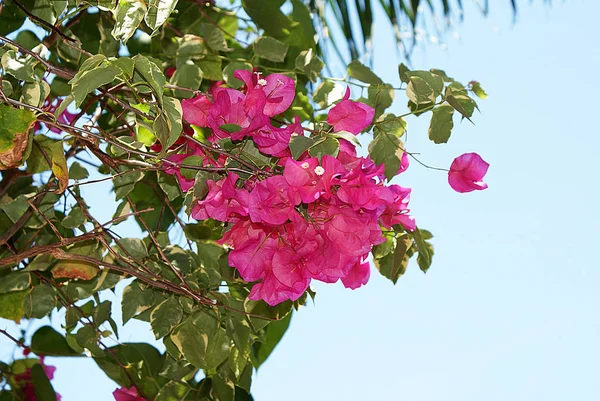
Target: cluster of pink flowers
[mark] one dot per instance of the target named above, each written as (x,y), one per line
(25,382)
(311,218)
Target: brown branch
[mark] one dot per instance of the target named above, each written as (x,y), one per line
(43,23)
(18,342)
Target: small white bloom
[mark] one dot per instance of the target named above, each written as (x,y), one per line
(262,82)
(305,165)
(319,170)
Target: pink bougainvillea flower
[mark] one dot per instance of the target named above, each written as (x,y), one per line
(278,88)
(272,201)
(170,71)
(25,383)
(184,183)
(224,202)
(357,276)
(196,109)
(404,163)
(467,172)
(124,394)
(234,108)
(274,141)
(350,116)
(396,208)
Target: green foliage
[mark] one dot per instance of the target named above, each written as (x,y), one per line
(108,67)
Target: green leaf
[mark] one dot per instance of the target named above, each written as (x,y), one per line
(174,114)
(34,93)
(330,146)
(381,97)
(169,185)
(126,65)
(457,97)
(11,305)
(87,337)
(143,359)
(393,265)
(15,281)
(158,12)
(300,144)
(15,125)
(92,80)
(327,93)
(231,128)
(223,388)
(187,75)
(389,123)
(12,19)
(165,317)
(195,161)
(192,343)
(173,391)
(135,300)
(361,72)
(268,16)
(403,73)
(387,149)
(425,250)
(419,91)
(478,90)
(309,64)
(40,301)
(229,70)
(128,16)
(273,334)
(49,342)
(75,218)
(18,66)
(133,248)
(434,81)
(219,346)
(442,74)
(78,172)
(441,123)
(41,384)
(148,72)
(125,183)
(213,36)
(270,48)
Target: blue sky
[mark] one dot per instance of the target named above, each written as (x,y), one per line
(508,311)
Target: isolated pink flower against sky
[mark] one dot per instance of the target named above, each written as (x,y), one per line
(467,172)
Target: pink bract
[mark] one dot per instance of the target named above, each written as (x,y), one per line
(195,110)
(467,172)
(124,394)
(279,89)
(350,116)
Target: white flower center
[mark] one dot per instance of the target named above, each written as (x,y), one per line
(305,165)
(319,170)
(262,82)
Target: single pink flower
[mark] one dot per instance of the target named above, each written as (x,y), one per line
(124,394)
(467,172)
(350,116)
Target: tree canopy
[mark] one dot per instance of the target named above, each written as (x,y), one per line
(237,158)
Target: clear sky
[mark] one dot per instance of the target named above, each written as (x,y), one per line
(509,310)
